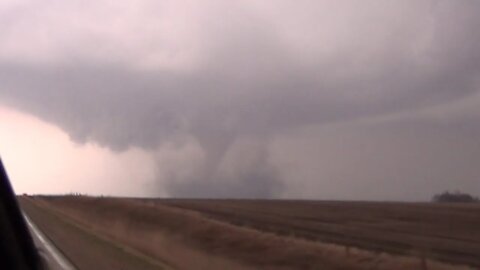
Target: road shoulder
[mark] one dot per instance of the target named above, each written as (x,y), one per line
(85,249)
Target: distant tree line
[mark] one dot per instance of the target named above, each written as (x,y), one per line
(456,196)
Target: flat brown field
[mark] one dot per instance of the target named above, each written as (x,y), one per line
(448,232)
(279,234)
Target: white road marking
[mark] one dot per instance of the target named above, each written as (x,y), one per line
(52,250)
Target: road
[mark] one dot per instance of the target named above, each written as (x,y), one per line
(60,237)
(54,258)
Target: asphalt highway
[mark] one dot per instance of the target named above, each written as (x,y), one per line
(53,258)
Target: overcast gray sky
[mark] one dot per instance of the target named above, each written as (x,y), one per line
(371,100)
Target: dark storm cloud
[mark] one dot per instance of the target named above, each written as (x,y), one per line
(250,78)
(410,159)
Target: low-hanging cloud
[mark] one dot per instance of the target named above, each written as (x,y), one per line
(209,88)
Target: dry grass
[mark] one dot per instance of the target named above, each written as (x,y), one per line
(447,232)
(137,228)
(187,239)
